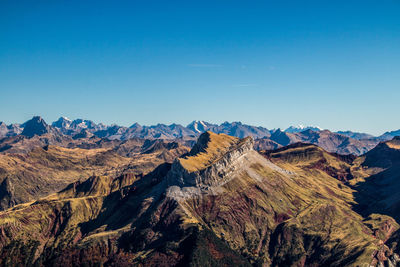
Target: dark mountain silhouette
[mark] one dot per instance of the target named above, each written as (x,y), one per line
(36,126)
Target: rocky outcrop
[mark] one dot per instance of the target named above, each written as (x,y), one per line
(214,173)
(3,129)
(9,130)
(83,134)
(236,207)
(36,126)
(7,194)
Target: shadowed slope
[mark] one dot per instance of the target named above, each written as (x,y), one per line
(379,183)
(234,207)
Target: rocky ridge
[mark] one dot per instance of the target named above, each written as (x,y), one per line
(215,166)
(289,207)
(343,142)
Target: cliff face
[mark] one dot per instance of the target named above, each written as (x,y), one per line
(294,214)
(222,204)
(36,126)
(217,168)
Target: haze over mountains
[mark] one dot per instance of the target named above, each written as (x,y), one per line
(342,142)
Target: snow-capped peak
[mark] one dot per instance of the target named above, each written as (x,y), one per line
(198,126)
(301,128)
(66,119)
(62,122)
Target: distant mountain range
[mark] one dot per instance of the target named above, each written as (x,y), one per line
(342,142)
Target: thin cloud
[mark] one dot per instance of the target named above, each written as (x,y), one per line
(204,65)
(245,85)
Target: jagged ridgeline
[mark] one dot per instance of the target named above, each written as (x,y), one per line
(220,204)
(66,132)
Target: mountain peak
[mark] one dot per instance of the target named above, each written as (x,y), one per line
(211,143)
(65,119)
(198,126)
(37,118)
(281,137)
(301,128)
(135,125)
(62,122)
(389,135)
(211,153)
(35,126)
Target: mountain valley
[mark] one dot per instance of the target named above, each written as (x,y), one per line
(158,202)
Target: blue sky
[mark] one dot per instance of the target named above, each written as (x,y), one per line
(335,64)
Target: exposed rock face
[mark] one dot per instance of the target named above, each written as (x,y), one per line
(35,126)
(83,134)
(331,142)
(9,130)
(3,129)
(283,138)
(356,135)
(265,144)
(62,123)
(221,204)
(345,142)
(199,126)
(217,168)
(7,194)
(389,135)
(302,128)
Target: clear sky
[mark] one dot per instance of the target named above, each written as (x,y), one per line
(335,64)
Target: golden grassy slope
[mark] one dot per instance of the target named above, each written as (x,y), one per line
(309,203)
(279,218)
(45,171)
(217,145)
(394,144)
(42,172)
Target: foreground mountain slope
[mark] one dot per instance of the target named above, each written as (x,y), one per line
(223,204)
(248,204)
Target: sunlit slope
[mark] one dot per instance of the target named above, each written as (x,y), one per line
(26,177)
(223,204)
